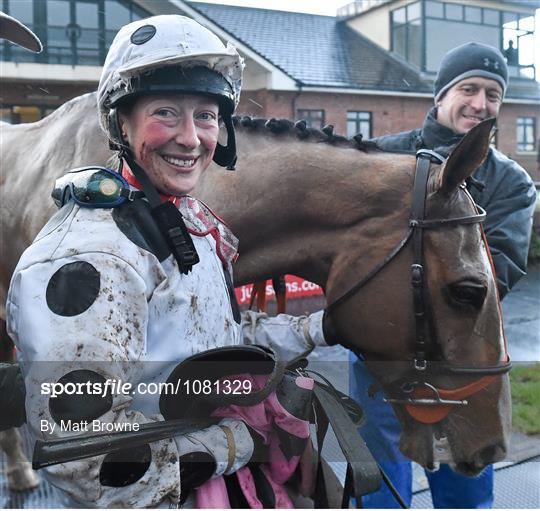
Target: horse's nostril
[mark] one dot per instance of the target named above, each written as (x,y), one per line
(490,454)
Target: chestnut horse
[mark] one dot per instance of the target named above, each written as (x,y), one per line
(331,210)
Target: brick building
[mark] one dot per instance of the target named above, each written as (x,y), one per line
(369,70)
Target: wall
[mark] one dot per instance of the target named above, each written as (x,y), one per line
(390,114)
(41,93)
(507,135)
(375,23)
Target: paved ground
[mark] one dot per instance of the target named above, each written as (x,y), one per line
(521,313)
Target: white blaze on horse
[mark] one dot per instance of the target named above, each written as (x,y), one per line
(311,204)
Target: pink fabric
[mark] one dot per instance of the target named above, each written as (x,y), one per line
(262,417)
(212,495)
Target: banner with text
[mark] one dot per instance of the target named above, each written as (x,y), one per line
(296,288)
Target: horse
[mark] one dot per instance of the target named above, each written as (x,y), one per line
(336,212)
(19,474)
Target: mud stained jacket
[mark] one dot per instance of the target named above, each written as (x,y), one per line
(99,292)
(508,196)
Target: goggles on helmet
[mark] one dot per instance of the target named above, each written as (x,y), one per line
(92,187)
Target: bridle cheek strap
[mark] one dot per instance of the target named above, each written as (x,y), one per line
(429,414)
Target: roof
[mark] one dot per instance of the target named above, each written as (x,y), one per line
(323,51)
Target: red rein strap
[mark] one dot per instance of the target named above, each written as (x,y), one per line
(434,414)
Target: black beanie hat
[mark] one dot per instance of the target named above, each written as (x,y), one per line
(470,59)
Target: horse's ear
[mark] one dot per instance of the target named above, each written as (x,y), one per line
(466,157)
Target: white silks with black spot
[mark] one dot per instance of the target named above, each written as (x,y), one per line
(139,320)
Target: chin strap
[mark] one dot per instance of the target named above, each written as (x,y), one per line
(225,155)
(167,217)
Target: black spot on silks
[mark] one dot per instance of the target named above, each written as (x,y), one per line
(143,34)
(195,469)
(125,467)
(84,406)
(73,289)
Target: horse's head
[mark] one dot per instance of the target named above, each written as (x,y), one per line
(311,204)
(428,321)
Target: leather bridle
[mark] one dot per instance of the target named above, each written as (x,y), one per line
(424,401)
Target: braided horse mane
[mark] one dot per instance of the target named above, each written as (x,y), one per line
(301,131)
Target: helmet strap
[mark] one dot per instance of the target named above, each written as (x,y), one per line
(225,156)
(167,217)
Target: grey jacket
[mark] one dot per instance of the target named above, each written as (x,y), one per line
(502,188)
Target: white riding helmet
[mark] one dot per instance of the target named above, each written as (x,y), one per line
(168,53)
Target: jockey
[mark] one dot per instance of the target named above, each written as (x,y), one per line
(133,275)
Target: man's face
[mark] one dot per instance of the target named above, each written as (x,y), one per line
(468,102)
(173,138)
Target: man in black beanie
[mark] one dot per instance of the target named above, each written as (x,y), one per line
(469,88)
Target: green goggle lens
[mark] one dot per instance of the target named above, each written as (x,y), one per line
(98,188)
(92,187)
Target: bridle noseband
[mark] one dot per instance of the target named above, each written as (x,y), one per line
(423,400)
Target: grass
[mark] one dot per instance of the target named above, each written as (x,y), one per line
(525,383)
(534,249)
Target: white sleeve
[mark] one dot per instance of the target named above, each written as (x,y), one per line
(289,336)
(89,312)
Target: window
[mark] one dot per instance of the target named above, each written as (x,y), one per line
(314,118)
(359,122)
(526,133)
(73,32)
(454,11)
(473,14)
(15,114)
(434,9)
(448,24)
(407,32)
(518,44)
(491,17)
(23,11)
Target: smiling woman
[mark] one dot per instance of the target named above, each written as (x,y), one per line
(173,138)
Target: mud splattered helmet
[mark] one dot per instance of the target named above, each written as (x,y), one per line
(170,53)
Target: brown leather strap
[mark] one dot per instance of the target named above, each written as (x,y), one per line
(231,446)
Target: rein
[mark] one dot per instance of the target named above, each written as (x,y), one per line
(424,401)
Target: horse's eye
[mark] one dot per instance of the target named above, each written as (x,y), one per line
(467,293)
